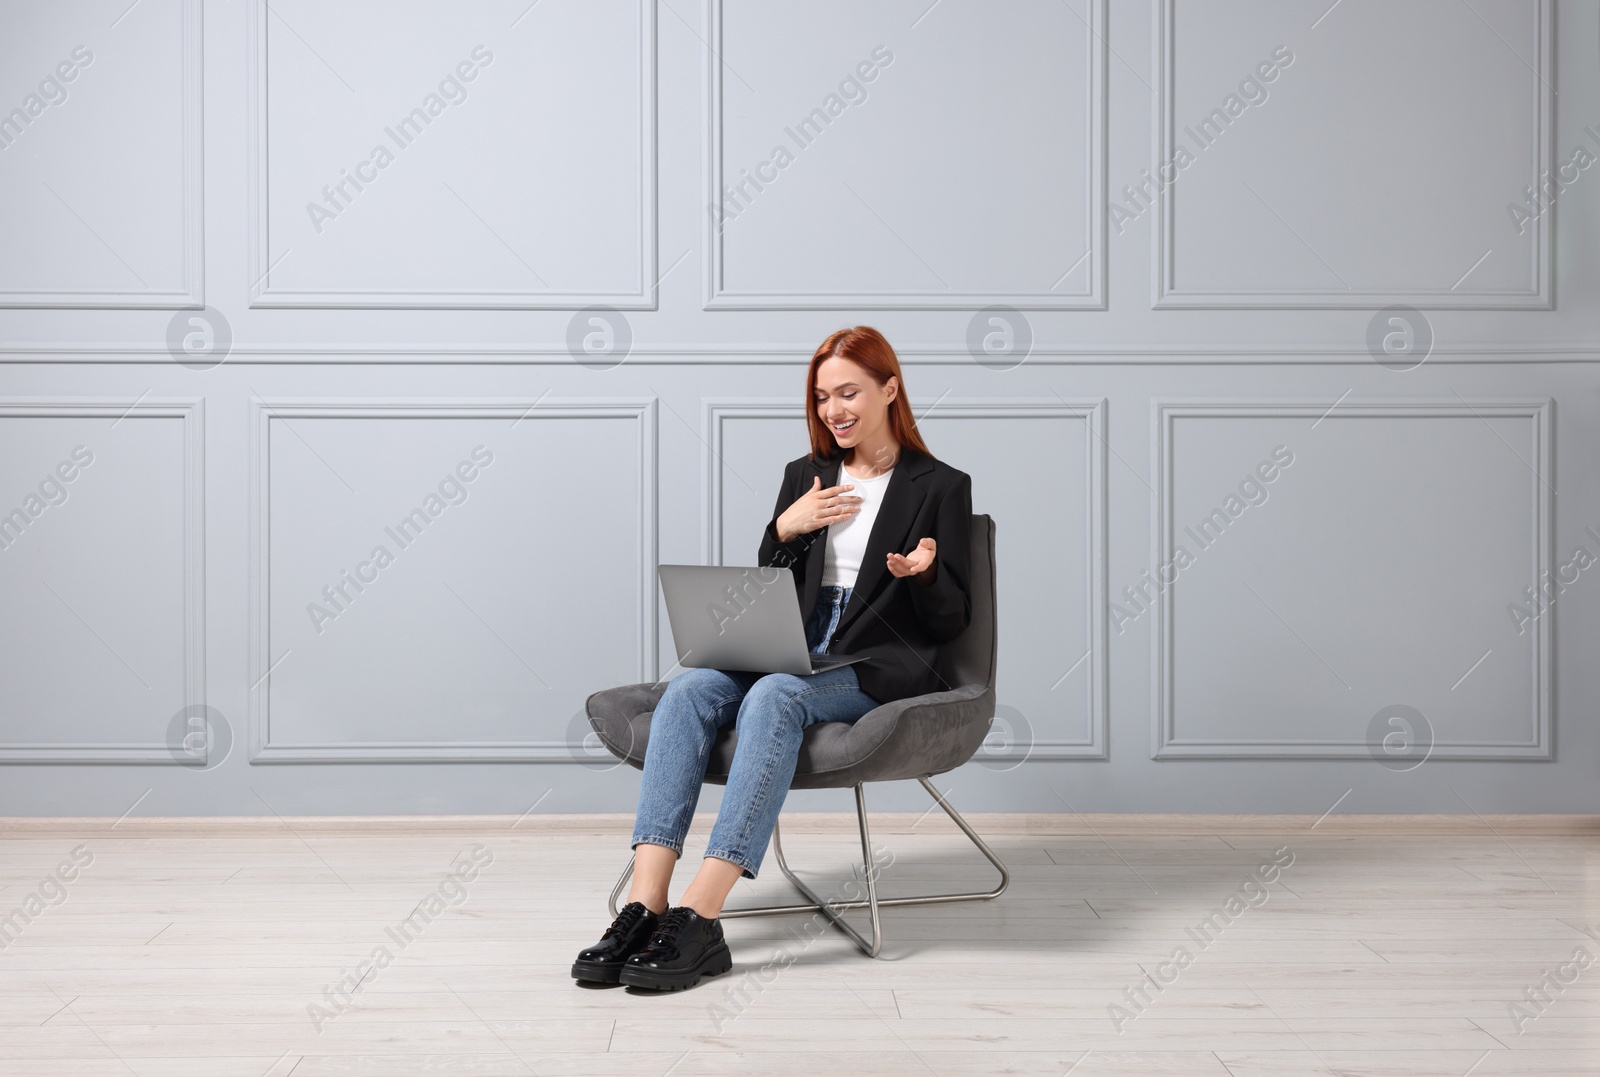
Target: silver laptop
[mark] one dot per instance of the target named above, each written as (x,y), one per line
(743,618)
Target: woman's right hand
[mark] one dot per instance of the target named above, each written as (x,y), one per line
(817,508)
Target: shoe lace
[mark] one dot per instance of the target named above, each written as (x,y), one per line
(664,940)
(630,915)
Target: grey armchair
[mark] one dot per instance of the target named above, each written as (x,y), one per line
(907,738)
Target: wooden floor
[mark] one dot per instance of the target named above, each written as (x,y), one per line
(207,948)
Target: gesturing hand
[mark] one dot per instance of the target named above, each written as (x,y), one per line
(919,562)
(817,508)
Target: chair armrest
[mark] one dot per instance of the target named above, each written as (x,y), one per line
(612,711)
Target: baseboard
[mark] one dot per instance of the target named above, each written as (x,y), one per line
(1067,824)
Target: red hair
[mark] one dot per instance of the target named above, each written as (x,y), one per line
(866,347)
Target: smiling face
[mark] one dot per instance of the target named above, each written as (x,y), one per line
(855,408)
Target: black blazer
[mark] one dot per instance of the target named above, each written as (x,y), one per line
(897,621)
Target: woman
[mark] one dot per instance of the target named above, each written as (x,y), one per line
(890,531)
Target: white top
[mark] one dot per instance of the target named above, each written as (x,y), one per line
(847,541)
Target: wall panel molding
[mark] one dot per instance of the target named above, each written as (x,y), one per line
(263,260)
(192,293)
(190,412)
(263,749)
(1541,271)
(720,297)
(1165,744)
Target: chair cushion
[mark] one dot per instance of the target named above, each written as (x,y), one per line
(907,738)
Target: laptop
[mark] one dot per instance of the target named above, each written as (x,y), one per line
(741,618)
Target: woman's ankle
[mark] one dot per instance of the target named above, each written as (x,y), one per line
(657,905)
(707,909)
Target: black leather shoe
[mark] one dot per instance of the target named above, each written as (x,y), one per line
(628,933)
(685,947)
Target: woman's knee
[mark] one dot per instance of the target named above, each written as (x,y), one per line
(698,682)
(697,692)
(780,685)
(774,695)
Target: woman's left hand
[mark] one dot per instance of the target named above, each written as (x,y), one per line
(919,562)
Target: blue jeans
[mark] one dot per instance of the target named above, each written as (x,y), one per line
(771,711)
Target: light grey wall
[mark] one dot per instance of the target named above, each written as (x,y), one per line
(1113,367)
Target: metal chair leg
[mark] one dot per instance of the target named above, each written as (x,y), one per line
(873,903)
(627,873)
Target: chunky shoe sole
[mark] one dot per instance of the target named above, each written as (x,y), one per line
(596,972)
(713,963)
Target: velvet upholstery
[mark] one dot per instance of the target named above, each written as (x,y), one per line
(916,737)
